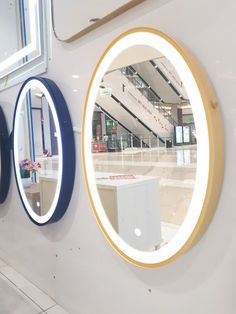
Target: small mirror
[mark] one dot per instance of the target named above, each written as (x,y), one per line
(5,163)
(147,147)
(43,144)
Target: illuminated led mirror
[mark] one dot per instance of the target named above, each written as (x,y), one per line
(44,152)
(152,147)
(24,25)
(5,163)
(20,25)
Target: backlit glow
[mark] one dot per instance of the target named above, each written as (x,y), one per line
(171,53)
(36,83)
(32,46)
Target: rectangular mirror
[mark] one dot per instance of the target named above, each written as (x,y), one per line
(84,19)
(19,20)
(24,27)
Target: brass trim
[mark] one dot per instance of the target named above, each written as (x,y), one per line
(107,18)
(216,147)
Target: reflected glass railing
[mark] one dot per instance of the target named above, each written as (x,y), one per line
(117,143)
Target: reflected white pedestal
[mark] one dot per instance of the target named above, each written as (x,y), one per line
(133,208)
(48,184)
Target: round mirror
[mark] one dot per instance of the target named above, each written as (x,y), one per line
(44,150)
(152,147)
(5,164)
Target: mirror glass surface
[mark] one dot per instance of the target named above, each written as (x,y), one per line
(37,151)
(19,22)
(144,176)
(147,163)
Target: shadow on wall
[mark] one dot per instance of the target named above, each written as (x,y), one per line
(198,264)
(57,231)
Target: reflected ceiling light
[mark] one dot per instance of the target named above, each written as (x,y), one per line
(33,11)
(75,76)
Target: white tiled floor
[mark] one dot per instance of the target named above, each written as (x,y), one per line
(168,231)
(19,296)
(176,169)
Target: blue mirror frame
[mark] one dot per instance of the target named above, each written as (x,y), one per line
(5,173)
(68,150)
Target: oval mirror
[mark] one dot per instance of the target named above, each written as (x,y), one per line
(152,147)
(5,164)
(43,147)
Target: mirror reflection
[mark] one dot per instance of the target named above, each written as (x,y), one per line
(18,26)
(144,148)
(10,21)
(37,151)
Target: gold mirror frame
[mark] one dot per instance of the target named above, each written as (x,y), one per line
(216,148)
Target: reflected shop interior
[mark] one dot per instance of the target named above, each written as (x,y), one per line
(37,151)
(144,148)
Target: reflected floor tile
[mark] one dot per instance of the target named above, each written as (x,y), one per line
(143,164)
(174,157)
(186,183)
(176,168)
(164,173)
(174,204)
(168,231)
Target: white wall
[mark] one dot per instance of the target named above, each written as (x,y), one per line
(90,278)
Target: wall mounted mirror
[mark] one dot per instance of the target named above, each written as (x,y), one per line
(152,147)
(85,19)
(23,30)
(43,147)
(5,163)
(19,21)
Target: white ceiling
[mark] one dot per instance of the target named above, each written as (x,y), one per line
(133,55)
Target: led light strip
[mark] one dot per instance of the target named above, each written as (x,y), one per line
(173,55)
(33,13)
(45,218)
